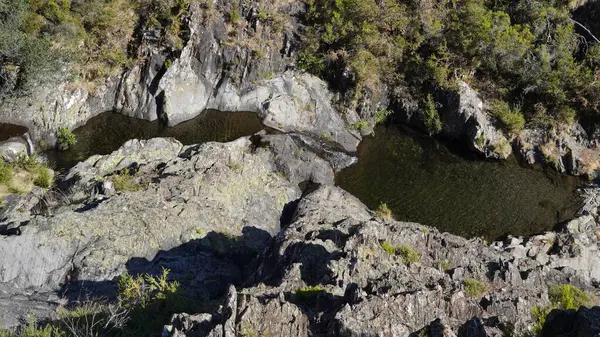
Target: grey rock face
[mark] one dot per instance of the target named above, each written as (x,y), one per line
(185,196)
(467,119)
(211,72)
(567,149)
(12,149)
(334,242)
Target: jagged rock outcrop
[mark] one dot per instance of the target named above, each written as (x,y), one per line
(581,323)
(192,204)
(335,245)
(466,119)
(222,66)
(568,149)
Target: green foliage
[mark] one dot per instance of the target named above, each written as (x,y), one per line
(234,16)
(306,294)
(526,52)
(406,253)
(511,120)
(6,172)
(43,177)
(564,297)
(311,63)
(361,125)
(32,329)
(65,138)
(430,116)
(383,211)
(388,248)
(151,300)
(567,297)
(381,115)
(474,288)
(124,181)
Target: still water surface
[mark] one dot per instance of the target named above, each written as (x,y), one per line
(423,181)
(420,179)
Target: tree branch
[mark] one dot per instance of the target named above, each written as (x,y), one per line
(587,30)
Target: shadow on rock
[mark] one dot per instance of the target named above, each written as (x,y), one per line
(204,267)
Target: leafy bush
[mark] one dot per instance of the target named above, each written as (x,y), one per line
(6,172)
(408,254)
(65,138)
(361,125)
(474,288)
(564,297)
(430,116)
(511,119)
(516,50)
(43,177)
(567,297)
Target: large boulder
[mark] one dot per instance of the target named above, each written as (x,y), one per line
(188,198)
(465,118)
(584,322)
(13,148)
(566,148)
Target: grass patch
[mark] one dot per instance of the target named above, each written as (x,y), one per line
(305,294)
(6,172)
(20,176)
(406,253)
(474,288)
(383,212)
(124,181)
(511,119)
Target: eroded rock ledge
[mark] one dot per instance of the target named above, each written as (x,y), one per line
(231,218)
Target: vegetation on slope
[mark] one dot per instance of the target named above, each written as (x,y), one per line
(525,54)
(89,39)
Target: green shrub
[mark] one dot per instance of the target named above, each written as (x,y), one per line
(6,172)
(388,248)
(430,116)
(406,253)
(124,181)
(32,329)
(43,176)
(383,211)
(511,120)
(311,63)
(234,16)
(361,125)
(564,297)
(381,115)
(474,288)
(309,293)
(65,138)
(567,297)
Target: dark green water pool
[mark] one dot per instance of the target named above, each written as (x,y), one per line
(106,133)
(423,181)
(420,179)
(10,130)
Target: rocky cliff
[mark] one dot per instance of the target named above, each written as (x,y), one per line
(230,220)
